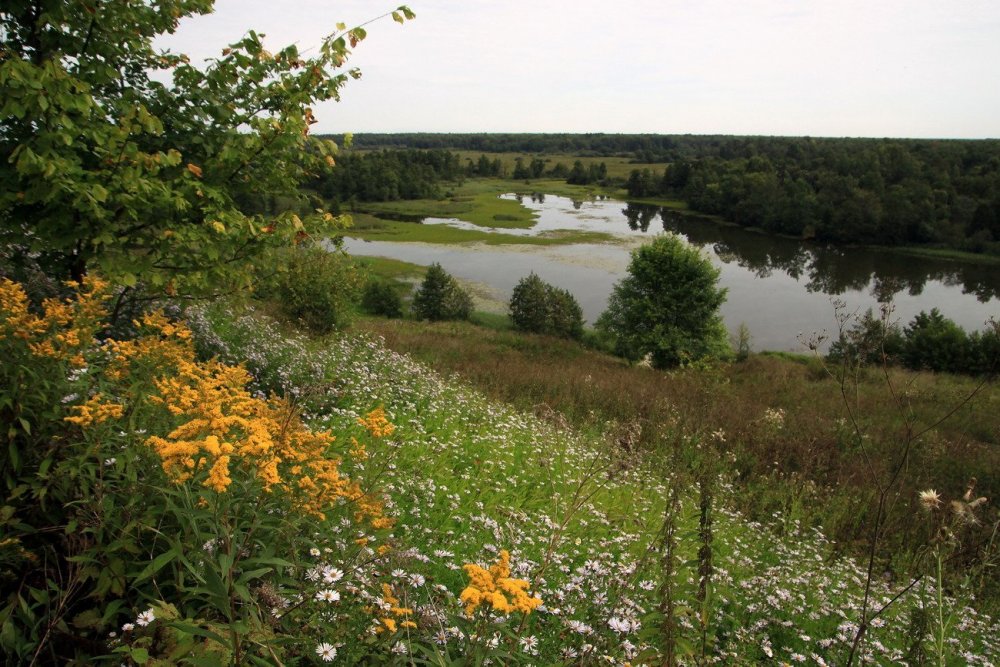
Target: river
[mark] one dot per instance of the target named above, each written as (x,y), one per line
(782,289)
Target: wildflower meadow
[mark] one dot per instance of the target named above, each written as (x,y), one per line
(329,500)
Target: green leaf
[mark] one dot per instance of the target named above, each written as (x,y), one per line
(253,574)
(192,629)
(140,655)
(88,620)
(158,563)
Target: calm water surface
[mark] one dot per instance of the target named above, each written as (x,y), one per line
(782,289)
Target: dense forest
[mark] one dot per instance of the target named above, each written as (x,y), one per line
(388,175)
(576,144)
(393,174)
(943,193)
(847,191)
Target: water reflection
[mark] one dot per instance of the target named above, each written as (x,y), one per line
(776,286)
(827,269)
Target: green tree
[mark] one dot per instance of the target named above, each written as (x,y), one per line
(934,342)
(578,174)
(440,297)
(539,307)
(667,306)
(103,165)
(380,298)
(315,286)
(870,340)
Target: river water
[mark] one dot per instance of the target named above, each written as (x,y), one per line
(781,289)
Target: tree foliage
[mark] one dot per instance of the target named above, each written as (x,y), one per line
(315,286)
(667,306)
(930,342)
(440,297)
(389,175)
(104,165)
(381,298)
(888,192)
(539,307)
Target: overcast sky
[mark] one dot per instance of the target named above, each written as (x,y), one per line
(880,68)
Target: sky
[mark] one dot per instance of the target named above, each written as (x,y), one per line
(872,68)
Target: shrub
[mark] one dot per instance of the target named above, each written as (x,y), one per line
(870,340)
(984,350)
(667,306)
(316,287)
(440,297)
(934,342)
(380,298)
(539,307)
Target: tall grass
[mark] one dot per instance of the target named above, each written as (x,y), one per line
(782,419)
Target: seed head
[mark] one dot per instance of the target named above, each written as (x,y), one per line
(930,499)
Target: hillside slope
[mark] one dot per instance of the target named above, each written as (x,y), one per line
(585,520)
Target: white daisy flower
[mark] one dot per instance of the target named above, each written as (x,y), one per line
(326,652)
(327,595)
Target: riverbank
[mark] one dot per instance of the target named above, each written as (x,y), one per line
(477,201)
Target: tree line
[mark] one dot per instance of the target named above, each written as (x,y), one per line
(388,175)
(882,192)
(393,174)
(595,144)
(930,341)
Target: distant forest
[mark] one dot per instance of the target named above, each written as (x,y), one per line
(389,175)
(928,192)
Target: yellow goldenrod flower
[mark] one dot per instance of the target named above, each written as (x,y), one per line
(490,586)
(95,411)
(377,424)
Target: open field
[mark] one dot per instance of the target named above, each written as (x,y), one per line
(807,464)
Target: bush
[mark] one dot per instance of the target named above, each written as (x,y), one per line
(871,340)
(316,287)
(441,298)
(984,350)
(539,307)
(380,298)
(667,306)
(934,342)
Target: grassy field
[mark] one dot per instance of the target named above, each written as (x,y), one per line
(372,228)
(608,530)
(474,200)
(782,417)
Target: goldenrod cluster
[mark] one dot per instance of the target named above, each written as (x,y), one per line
(165,345)
(222,425)
(386,622)
(493,586)
(358,451)
(95,411)
(219,427)
(377,424)
(65,327)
